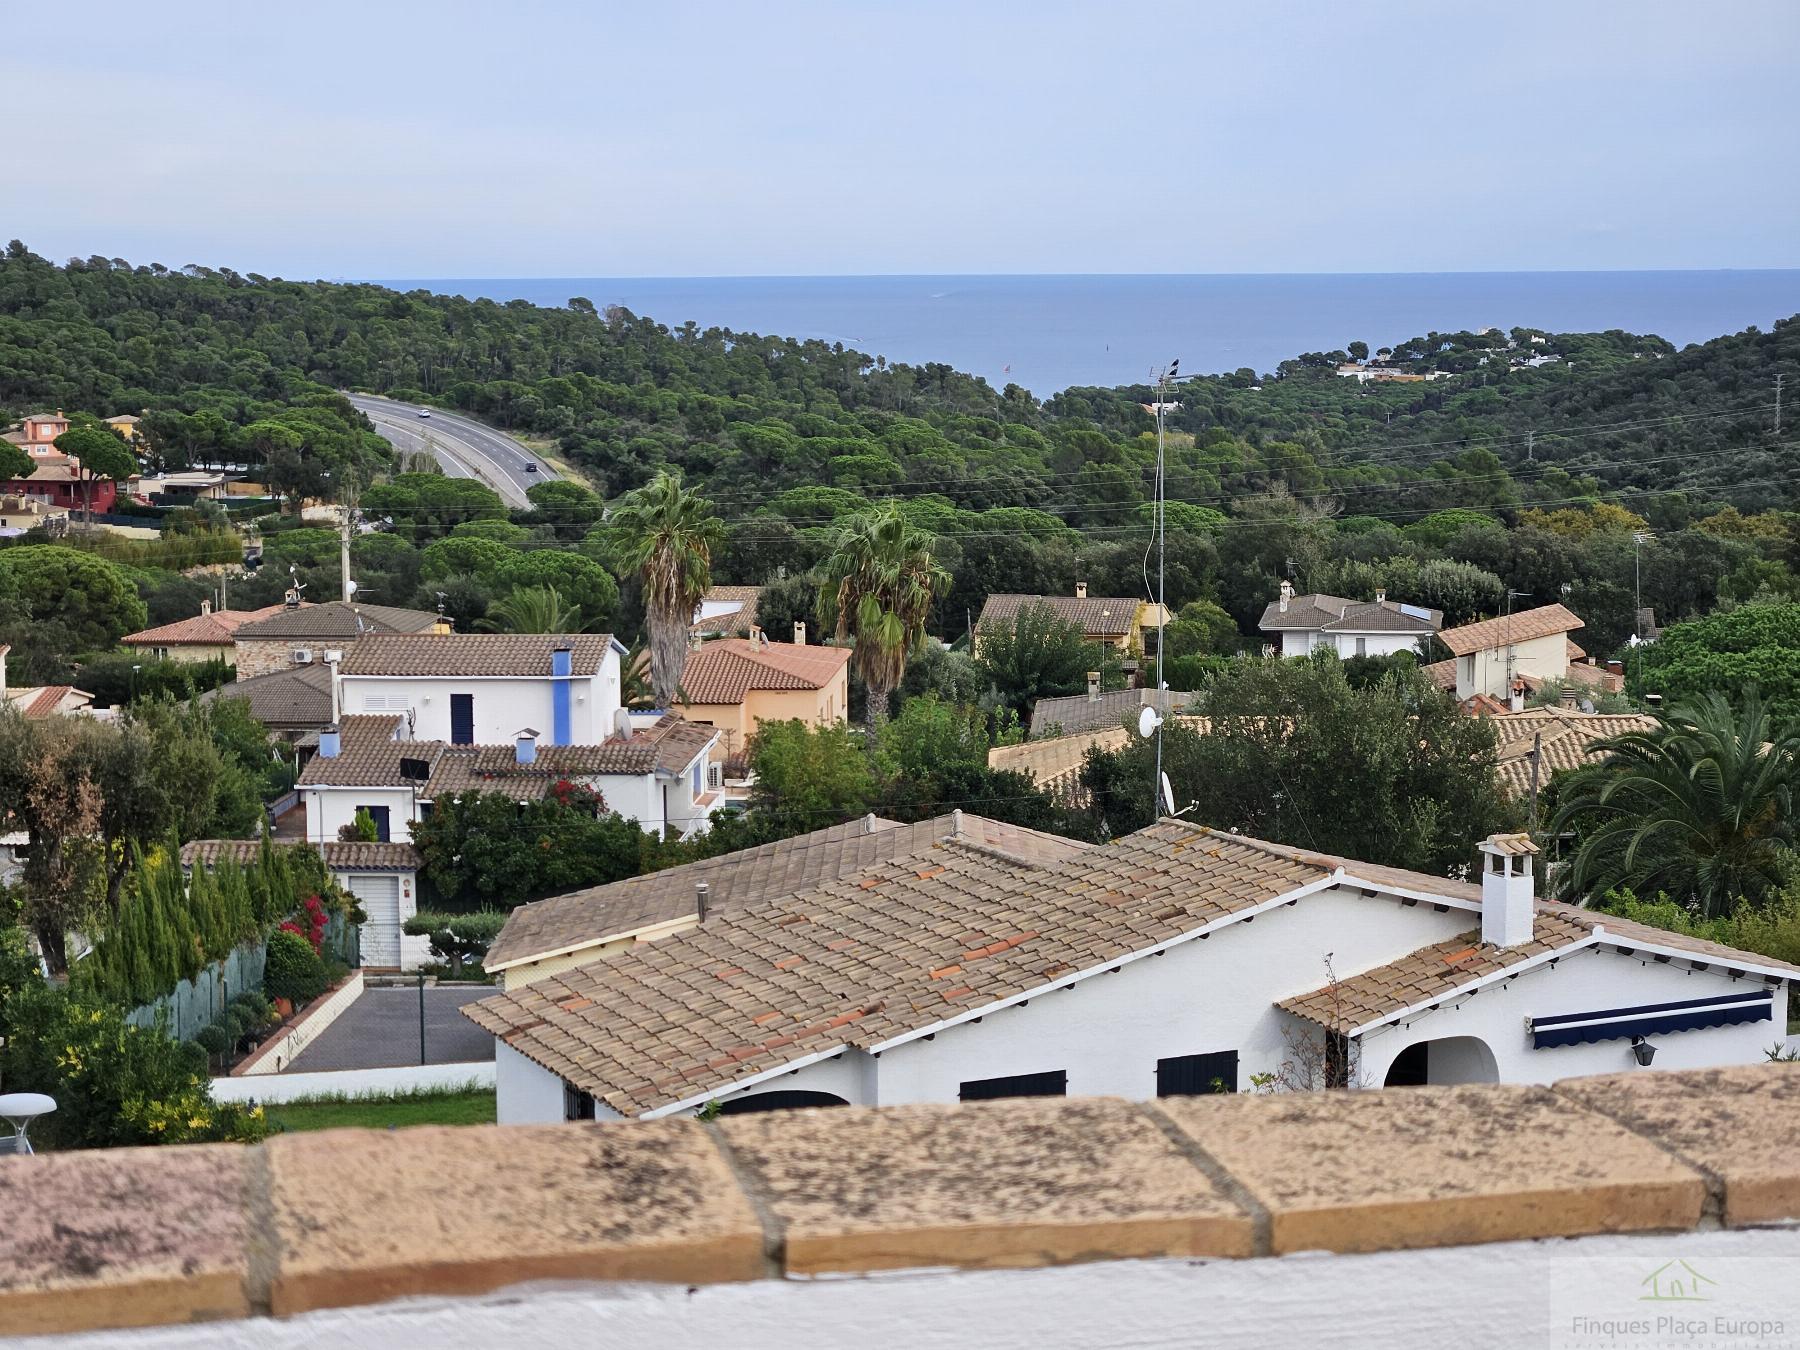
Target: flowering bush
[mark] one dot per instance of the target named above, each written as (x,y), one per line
(312,915)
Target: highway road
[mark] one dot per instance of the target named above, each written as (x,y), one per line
(466,449)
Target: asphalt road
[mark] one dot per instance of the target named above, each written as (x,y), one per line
(381,1030)
(465,448)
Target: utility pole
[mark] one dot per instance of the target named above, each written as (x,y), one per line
(1529,455)
(1164,383)
(1779,379)
(344,550)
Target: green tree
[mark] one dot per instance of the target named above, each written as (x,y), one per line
(1037,654)
(1699,809)
(1391,774)
(90,599)
(532,609)
(14,462)
(483,849)
(1754,645)
(102,455)
(807,777)
(667,536)
(1200,628)
(879,583)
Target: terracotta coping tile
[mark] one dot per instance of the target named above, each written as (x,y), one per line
(527,1202)
(1437,1166)
(1741,1125)
(1019,1183)
(125,1238)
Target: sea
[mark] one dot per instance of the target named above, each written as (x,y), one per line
(1047,333)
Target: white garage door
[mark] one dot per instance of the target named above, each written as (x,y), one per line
(380,898)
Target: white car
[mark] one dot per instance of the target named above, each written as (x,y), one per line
(424,412)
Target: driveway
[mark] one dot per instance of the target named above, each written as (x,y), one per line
(381,1031)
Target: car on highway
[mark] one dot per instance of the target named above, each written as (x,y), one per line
(424,412)
(531,468)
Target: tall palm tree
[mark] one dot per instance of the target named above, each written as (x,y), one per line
(667,534)
(879,583)
(533,609)
(1700,808)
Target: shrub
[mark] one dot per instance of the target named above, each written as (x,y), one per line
(458,939)
(214,1039)
(255,1005)
(293,970)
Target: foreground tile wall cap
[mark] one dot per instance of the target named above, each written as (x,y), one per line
(139,1237)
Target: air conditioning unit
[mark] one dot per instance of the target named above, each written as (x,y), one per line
(302,656)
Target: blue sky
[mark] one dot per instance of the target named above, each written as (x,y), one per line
(552,138)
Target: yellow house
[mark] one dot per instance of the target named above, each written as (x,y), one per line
(1116,620)
(736,684)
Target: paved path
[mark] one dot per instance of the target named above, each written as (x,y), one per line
(466,448)
(381,1031)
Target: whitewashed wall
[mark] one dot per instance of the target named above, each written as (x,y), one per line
(328,810)
(526,1094)
(503,706)
(290,1087)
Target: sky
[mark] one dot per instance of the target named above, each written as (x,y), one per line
(580,138)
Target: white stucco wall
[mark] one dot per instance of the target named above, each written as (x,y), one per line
(524,1093)
(1586,981)
(1344,644)
(329,809)
(1545,658)
(502,706)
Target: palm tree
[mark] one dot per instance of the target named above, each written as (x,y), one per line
(533,609)
(879,583)
(667,534)
(1700,808)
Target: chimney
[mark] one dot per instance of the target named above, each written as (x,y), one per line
(561,663)
(328,742)
(1094,685)
(205,608)
(1287,594)
(525,746)
(1506,901)
(332,658)
(1381,595)
(702,893)
(799,633)
(1569,694)
(1081,590)
(1615,667)
(1516,700)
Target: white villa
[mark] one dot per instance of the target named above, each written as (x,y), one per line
(981,967)
(1381,627)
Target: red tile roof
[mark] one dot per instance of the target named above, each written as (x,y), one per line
(726,670)
(1544,621)
(216,629)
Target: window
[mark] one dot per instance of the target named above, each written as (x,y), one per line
(1054,1084)
(462,719)
(577,1105)
(1197,1075)
(1362,646)
(380,815)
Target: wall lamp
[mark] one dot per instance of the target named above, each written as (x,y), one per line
(1642,1051)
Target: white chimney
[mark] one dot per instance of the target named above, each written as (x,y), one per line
(1381,595)
(1287,594)
(331,659)
(799,633)
(1506,900)
(205,608)
(1516,699)
(1094,685)
(1081,590)
(525,746)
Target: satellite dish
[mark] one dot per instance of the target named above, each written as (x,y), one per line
(352,584)
(1168,796)
(1148,721)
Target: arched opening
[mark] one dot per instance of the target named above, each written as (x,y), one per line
(1450,1059)
(778,1101)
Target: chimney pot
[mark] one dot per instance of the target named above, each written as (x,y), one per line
(702,894)
(1381,595)
(525,747)
(1093,684)
(1287,594)
(799,633)
(1569,694)
(1506,897)
(205,608)
(1081,590)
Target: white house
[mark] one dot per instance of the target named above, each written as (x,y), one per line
(383,878)
(1172,961)
(1381,627)
(1495,655)
(480,688)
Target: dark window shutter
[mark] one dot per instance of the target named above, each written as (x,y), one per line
(1053,1084)
(1197,1075)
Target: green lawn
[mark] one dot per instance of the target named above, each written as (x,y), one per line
(378,1113)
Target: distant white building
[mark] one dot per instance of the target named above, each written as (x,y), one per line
(1381,627)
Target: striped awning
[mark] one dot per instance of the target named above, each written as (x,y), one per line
(1652,1019)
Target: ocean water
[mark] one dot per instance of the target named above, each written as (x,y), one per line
(1049,332)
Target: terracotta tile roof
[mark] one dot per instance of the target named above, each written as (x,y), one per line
(738,620)
(1055,763)
(47,700)
(1544,621)
(1334,614)
(1568,741)
(726,670)
(1426,975)
(1081,712)
(369,754)
(1594,678)
(748,877)
(299,697)
(210,630)
(1441,673)
(876,954)
(668,747)
(336,619)
(477,654)
(1102,616)
(339,855)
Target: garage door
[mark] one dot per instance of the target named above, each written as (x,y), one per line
(380,898)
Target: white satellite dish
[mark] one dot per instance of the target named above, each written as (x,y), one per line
(353,585)
(1168,796)
(1148,721)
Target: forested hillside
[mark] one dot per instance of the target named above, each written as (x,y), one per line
(1449,492)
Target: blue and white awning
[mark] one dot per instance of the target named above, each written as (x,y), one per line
(1652,1019)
